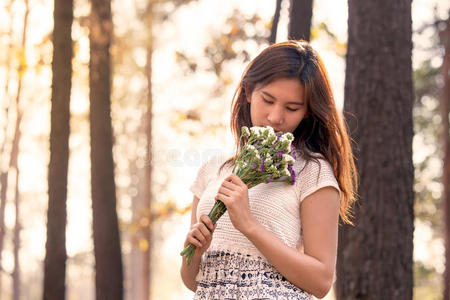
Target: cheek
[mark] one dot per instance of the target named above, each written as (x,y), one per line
(296,119)
(257,110)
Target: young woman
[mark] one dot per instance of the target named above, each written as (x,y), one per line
(276,241)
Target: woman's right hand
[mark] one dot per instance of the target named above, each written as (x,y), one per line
(200,235)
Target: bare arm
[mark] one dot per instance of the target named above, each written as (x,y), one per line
(312,270)
(200,237)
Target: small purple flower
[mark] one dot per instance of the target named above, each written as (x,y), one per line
(278,136)
(254,165)
(294,152)
(270,179)
(291,170)
(262,165)
(280,154)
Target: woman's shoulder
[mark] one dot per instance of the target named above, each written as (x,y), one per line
(315,172)
(314,165)
(213,162)
(311,158)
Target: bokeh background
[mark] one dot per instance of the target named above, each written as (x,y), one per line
(198,51)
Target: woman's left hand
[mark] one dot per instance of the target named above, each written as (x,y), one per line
(234,194)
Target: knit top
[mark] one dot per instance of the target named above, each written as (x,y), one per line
(276,205)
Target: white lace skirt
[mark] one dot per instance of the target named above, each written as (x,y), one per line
(230,275)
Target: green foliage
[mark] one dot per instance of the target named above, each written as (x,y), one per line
(427,283)
(229,44)
(427,159)
(428,163)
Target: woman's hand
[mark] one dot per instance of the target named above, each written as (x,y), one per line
(200,235)
(234,194)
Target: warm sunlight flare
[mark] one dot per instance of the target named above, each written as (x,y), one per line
(199,51)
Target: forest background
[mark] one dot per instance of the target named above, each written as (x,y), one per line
(190,56)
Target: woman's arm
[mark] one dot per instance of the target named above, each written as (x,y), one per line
(188,273)
(311,270)
(200,236)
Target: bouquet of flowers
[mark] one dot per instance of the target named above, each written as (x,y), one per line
(267,156)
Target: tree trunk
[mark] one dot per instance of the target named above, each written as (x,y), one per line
(108,259)
(135,255)
(148,166)
(14,163)
(55,248)
(276,18)
(375,257)
(445,111)
(3,167)
(300,15)
(17,229)
(14,166)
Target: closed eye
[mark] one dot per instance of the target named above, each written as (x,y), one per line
(267,101)
(270,102)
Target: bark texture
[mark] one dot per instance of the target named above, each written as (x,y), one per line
(56,254)
(276,18)
(445,112)
(375,257)
(300,15)
(107,251)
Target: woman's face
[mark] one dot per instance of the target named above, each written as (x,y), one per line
(279,104)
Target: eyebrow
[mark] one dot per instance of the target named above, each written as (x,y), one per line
(291,102)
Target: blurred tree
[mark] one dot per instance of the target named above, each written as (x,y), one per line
(55,248)
(150,12)
(427,177)
(445,114)
(274,26)
(300,15)
(227,46)
(107,250)
(146,200)
(14,155)
(5,162)
(378,92)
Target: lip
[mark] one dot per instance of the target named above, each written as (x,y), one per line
(275,129)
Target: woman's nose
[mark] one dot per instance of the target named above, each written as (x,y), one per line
(275,116)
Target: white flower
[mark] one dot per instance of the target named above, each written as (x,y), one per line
(289,136)
(271,139)
(250,148)
(282,138)
(245,131)
(272,169)
(257,131)
(285,145)
(270,129)
(288,159)
(257,156)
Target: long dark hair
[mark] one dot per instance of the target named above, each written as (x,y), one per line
(321,131)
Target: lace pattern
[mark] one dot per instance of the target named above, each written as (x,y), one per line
(226,274)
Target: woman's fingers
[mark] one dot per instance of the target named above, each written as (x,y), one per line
(191,240)
(207,222)
(222,198)
(225,191)
(200,234)
(234,179)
